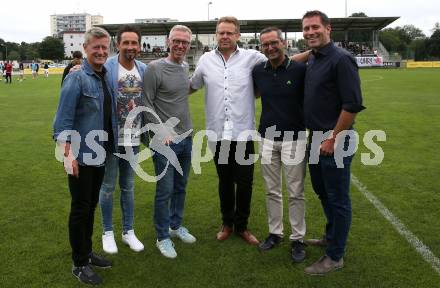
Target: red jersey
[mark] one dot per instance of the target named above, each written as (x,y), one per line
(8,68)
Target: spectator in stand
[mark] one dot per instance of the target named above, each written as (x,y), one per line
(144,47)
(77,58)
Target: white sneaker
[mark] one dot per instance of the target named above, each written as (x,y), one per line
(108,243)
(132,241)
(183,234)
(166,247)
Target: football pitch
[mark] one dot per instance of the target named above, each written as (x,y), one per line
(394,240)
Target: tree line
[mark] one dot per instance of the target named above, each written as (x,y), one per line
(51,48)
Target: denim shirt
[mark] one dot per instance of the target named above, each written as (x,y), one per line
(81,108)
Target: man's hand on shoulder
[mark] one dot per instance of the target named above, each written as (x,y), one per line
(75,68)
(301,57)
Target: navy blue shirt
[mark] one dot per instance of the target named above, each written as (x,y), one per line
(332,84)
(282,96)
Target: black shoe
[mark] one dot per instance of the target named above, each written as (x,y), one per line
(298,251)
(99,261)
(86,275)
(271,241)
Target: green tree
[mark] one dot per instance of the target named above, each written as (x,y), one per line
(413,32)
(390,38)
(51,48)
(399,39)
(434,44)
(419,49)
(13,55)
(436,27)
(6,48)
(29,51)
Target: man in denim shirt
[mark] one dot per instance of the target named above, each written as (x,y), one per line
(126,76)
(85,129)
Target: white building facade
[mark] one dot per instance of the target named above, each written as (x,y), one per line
(73,41)
(73,23)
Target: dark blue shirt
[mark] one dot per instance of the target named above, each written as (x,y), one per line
(282,94)
(332,84)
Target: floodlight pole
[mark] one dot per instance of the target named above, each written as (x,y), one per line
(209,35)
(209,3)
(346,10)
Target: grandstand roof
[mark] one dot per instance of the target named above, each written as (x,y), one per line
(253,26)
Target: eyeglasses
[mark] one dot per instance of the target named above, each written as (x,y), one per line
(274,43)
(177,42)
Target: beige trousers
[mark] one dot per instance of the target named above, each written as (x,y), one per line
(287,156)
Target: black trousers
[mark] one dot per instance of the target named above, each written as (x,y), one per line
(8,75)
(235,182)
(85,195)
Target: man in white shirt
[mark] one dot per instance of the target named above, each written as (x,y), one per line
(226,73)
(126,76)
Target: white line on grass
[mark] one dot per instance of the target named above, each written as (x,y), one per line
(412,239)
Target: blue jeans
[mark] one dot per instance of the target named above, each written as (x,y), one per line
(332,185)
(169,201)
(126,183)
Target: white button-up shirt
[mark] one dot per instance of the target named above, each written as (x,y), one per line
(229,91)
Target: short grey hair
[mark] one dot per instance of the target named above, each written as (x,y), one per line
(271,29)
(182,28)
(95,32)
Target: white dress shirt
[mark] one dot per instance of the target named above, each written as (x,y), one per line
(229,91)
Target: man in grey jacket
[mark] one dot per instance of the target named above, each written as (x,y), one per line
(166,87)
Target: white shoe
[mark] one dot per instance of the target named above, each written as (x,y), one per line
(108,243)
(132,241)
(166,247)
(183,234)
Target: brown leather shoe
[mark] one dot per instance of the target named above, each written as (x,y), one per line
(248,237)
(324,265)
(224,233)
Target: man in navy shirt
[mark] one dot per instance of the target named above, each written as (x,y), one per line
(280,82)
(332,98)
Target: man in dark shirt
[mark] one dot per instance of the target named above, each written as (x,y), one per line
(77,58)
(280,82)
(332,98)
